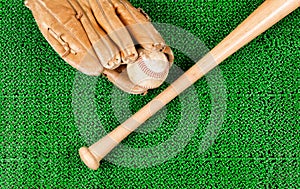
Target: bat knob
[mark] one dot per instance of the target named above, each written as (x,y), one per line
(88,158)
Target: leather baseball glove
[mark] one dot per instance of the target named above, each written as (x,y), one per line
(104,37)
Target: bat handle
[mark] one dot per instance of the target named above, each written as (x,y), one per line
(266,15)
(92,155)
(95,153)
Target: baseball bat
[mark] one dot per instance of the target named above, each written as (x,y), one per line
(265,16)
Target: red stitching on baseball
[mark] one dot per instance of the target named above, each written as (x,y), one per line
(149,72)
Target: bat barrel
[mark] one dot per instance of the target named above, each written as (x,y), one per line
(265,16)
(269,13)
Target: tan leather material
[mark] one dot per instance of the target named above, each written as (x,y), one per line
(106,50)
(105,13)
(139,26)
(98,36)
(122,81)
(169,53)
(65,34)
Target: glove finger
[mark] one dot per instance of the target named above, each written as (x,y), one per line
(139,25)
(60,28)
(106,50)
(106,16)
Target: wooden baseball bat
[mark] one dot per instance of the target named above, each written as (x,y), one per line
(265,16)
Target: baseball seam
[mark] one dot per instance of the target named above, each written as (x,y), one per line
(149,72)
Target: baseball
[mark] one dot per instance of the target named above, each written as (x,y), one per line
(150,70)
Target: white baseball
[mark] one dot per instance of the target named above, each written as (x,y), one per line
(150,70)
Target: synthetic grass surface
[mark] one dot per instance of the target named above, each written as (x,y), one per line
(256,146)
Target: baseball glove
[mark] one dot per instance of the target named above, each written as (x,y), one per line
(104,37)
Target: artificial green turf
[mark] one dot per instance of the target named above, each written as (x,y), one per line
(257,145)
